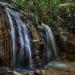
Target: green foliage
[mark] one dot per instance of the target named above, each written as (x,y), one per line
(45,10)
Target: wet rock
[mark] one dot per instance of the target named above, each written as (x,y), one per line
(58,65)
(66,42)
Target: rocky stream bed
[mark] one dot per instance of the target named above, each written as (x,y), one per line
(51,71)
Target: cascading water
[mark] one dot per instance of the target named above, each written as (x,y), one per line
(50,49)
(51,44)
(20,36)
(51,54)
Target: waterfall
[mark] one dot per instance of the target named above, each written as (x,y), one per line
(20,38)
(49,43)
(51,50)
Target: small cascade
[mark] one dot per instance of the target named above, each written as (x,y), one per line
(50,48)
(51,44)
(51,58)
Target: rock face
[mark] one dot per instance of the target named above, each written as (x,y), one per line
(4,39)
(66,37)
